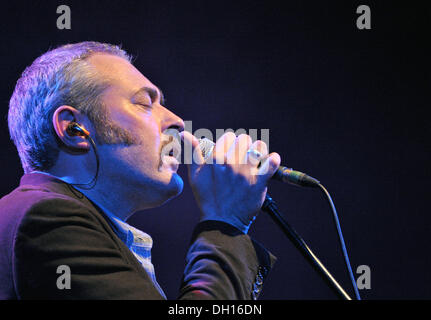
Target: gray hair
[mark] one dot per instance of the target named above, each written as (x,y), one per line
(58,77)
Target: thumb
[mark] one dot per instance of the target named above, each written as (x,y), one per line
(192,152)
(268,167)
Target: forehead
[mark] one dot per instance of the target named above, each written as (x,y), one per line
(121,74)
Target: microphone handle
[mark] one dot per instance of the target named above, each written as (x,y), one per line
(288,175)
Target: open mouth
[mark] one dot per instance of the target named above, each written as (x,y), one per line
(170,150)
(170,153)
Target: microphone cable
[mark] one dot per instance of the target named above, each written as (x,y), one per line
(298,178)
(341,239)
(270,207)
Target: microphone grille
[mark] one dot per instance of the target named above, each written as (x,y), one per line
(206,146)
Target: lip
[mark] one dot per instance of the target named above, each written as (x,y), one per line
(170,162)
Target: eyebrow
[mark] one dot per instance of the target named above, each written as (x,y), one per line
(154,93)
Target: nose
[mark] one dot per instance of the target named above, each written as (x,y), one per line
(171,121)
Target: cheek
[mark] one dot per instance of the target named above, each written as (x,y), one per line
(145,130)
(147,153)
(135,161)
(147,133)
(143,125)
(151,143)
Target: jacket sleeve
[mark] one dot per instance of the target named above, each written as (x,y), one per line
(55,233)
(224,264)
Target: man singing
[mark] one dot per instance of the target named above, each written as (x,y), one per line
(90,130)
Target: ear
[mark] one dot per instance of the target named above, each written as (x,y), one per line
(61,119)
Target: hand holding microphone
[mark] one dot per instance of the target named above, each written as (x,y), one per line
(282,174)
(233,188)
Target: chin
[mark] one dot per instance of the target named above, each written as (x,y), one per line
(170,190)
(176,184)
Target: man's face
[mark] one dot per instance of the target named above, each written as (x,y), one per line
(135,105)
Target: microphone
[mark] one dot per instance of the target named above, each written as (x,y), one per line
(283,174)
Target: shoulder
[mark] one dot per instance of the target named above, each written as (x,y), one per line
(29,212)
(33,211)
(29,202)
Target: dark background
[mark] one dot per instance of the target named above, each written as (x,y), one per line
(347,106)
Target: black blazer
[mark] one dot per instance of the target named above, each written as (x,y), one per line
(45,223)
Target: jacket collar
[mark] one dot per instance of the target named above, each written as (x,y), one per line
(54,184)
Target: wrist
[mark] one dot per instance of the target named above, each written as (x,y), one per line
(240,226)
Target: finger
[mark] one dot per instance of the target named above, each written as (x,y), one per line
(192,152)
(254,158)
(222,146)
(237,153)
(268,167)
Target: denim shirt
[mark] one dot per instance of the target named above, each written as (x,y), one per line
(140,243)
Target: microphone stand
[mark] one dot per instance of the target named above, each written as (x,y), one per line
(270,207)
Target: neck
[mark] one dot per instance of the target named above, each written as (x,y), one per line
(111,196)
(110,200)
(117,190)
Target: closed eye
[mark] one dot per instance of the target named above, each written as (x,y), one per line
(146,105)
